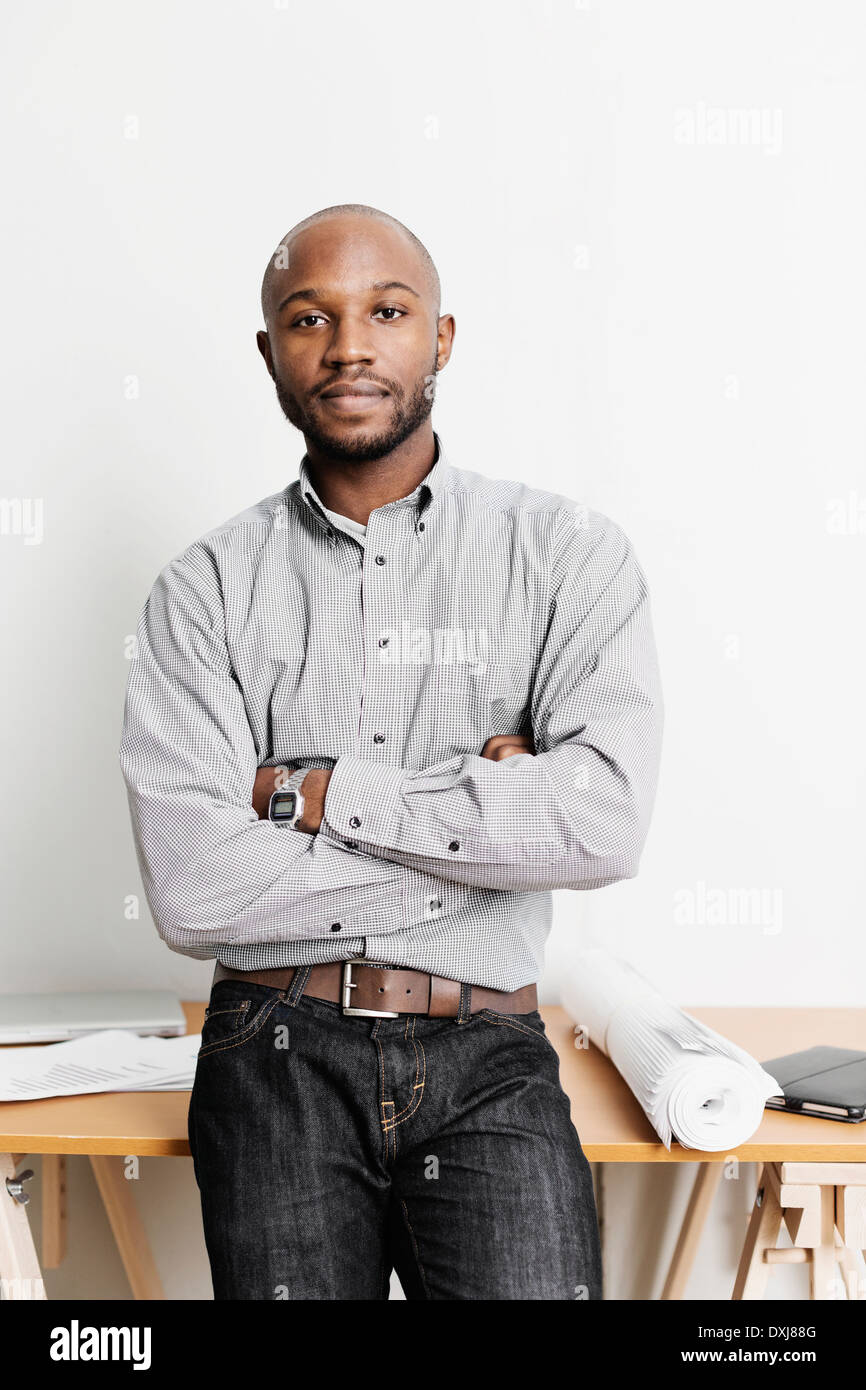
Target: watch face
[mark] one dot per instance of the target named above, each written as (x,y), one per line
(283,805)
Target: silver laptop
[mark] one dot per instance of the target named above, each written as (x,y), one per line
(31,1018)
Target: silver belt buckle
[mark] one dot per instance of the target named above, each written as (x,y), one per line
(348,986)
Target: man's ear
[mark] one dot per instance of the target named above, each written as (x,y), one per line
(446,329)
(264,346)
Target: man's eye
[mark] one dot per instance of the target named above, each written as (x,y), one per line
(299,321)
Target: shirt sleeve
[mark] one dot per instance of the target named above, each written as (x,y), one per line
(213,872)
(575,814)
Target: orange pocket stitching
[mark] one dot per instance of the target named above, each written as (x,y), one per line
(235,1009)
(245,1034)
(500,1020)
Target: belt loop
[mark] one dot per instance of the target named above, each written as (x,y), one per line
(298,985)
(464,1011)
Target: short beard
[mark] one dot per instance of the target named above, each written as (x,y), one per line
(406,417)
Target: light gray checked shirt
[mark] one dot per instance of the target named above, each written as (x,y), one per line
(470,608)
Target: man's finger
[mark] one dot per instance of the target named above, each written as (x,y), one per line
(513,743)
(506,748)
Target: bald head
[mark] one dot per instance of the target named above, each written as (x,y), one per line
(281,258)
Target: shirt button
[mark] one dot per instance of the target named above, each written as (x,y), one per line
(380,559)
(336,926)
(383,641)
(420,525)
(354,822)
(434,903)
(378,738)
(455,844)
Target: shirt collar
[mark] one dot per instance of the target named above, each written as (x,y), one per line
(427,490)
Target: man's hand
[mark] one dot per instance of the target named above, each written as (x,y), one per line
(315,785)
(503,745)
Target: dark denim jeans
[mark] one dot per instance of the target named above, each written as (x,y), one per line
(330,1149)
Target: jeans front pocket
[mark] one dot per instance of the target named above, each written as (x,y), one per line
(531,1024)
(234,1016)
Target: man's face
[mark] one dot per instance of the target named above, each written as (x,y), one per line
(335,317)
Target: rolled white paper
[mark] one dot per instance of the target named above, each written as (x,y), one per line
(692,1084)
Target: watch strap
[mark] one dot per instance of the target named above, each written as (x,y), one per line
(293,781)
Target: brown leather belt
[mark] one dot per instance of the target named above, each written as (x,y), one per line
(377,990)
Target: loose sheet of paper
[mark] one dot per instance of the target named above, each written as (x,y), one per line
(110,1060)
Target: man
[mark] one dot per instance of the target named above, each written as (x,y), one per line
(372,722)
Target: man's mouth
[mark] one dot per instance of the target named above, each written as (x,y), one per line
(352,397)
(354,388)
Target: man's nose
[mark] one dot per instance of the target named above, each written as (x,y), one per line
(350,342)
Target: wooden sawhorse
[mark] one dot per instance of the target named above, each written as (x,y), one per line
(823,1206)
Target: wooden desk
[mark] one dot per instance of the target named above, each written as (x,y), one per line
(611,1125)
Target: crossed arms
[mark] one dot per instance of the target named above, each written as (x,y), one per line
(574,814)
(315,784)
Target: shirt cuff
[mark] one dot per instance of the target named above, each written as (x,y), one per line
(363,802)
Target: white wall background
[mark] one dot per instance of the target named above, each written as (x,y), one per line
(649,221)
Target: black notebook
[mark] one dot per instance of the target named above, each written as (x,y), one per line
(828,1082)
